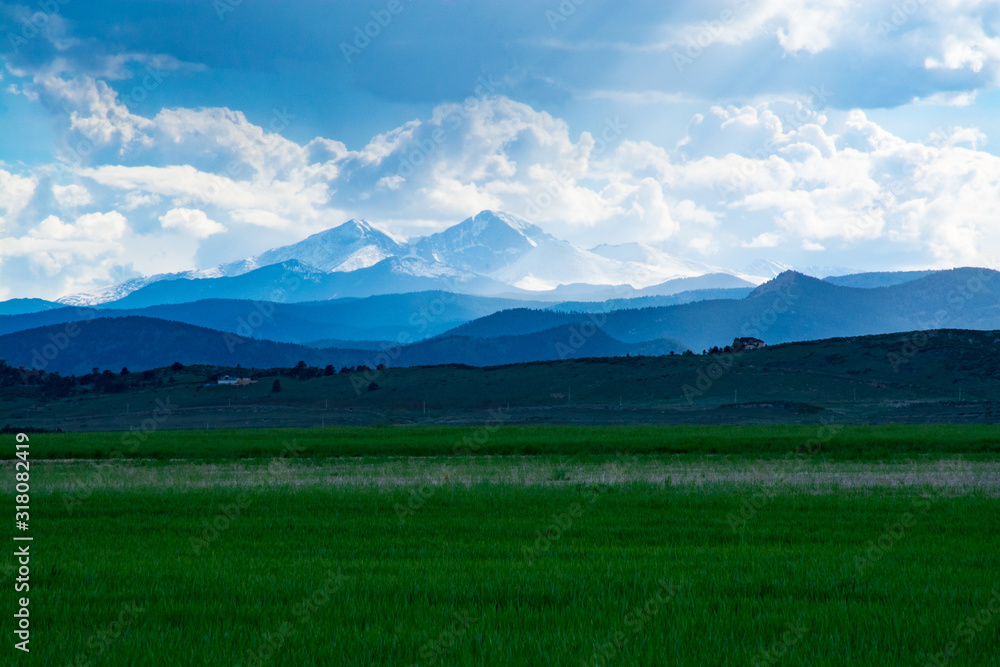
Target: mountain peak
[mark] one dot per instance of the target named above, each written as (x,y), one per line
(355,244)
(491,244)
(488,216)
(786,280)
(486,242)
(362,228)
(359,225)
(489,223)
(765,268)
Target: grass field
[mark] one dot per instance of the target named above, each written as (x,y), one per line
(561,546)
(831,441)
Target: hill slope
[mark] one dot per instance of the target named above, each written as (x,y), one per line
(22,306)
(877,279)
(141,343)
(945,376)
(413,316)
(792,307)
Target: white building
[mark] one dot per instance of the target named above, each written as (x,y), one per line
(228,379)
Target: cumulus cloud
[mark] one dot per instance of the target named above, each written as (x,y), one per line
(497,153)
(952,34)
(135,199)
(797,25)
(865,185)
(15,193)
(61,257)
(765,240)
(875,53)
(191,221)
(71,196)
(90,228)
(781,175)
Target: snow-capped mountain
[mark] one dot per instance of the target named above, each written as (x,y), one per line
(490,253)
(292,281)
(120,290)
(514,251)
(356,244)
(827,271)
(105,294)
(661,264)
(765,269)
(485,243)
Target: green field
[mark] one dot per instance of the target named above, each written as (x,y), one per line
(831,441)
(546,545)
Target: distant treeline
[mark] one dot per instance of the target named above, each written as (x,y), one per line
(55,385)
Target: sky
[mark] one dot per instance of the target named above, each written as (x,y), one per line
(168,135)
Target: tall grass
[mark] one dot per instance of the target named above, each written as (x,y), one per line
(596,585)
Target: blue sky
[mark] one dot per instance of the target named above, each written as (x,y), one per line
(157,136)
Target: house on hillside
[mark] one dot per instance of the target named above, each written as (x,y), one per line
(228,379)
(749,343)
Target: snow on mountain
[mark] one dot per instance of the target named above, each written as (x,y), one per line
(765,269)
(663,265)
(827,271)
(122,289)
(516,252)
(485,243)
(356,244)
(490,251)
(560,263)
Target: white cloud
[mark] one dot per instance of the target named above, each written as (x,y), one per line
(63,257)
(391,182)
(706,245)
(807,25)
(184,185)
(15,194)
(95,112)
(765,240)
(71,196)
(948,99)
(966,44)
(797,25)
(92,227)
(134,200)
(774,175)
(191,221)
(777,173)
(638,98)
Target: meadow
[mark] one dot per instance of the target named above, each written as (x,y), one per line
(832,441)
(677,545)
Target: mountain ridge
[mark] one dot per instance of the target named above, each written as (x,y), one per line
(498,247)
